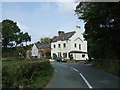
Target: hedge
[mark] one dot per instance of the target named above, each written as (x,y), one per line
(26,74)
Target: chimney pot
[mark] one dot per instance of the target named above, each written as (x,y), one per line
(60,33)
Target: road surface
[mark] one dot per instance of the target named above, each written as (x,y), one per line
(79,75)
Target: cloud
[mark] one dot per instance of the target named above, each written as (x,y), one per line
(38,0)
(22,27)
(66,7)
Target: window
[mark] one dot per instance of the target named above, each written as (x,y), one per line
(79,46)
(58,45)
(64,45)
(54,46)
(75,45)
(83,55)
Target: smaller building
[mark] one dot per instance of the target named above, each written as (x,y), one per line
(45,50)
(40,51)
(36,50)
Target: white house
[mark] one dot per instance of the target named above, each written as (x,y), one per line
(36,50)
(70,43)
(40,50)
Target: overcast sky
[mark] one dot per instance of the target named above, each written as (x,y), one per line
(42,19)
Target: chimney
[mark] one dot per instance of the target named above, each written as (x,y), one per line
(77,30)
(60,33)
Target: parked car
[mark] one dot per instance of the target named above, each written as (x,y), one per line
(60,59)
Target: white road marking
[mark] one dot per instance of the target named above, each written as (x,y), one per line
(74,69)
(88,84)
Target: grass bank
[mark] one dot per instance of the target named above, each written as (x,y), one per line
(26,73)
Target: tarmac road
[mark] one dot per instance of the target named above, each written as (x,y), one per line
(79,75)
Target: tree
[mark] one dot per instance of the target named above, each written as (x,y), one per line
(54,37)
(45,40)
(26,37)
(12,35)
(9,30)
(102,28)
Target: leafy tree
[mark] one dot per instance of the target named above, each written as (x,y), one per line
(12,35)
(26,37)
(45,40)
(102,28)
(54,37)
(9,32)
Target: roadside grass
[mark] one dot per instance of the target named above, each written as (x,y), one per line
(88,62)
(25,73)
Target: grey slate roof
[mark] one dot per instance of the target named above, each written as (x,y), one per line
(43,46)
(38,45)
(65,36)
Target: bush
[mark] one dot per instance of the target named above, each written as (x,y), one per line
(54,56)
(26,74)
(71,56)
(110,66)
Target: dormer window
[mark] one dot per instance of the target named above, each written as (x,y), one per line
(75,45)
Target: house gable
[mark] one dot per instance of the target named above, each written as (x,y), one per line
(78,39)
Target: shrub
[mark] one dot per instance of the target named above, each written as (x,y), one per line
(26,74)
(71,56)
(54,56)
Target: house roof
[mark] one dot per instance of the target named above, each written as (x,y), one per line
(64,36)
(38,45)
(45,46)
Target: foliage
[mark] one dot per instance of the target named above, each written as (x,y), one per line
(12,35)
(54,55)
(48,54)
(102,28)
(111,66)
(71,56)
(6,52)
(45,40)
(26,74)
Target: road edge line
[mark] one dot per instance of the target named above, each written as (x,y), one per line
(74,69)
(88,84)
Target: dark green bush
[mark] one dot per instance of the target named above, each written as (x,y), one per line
(110,66)
(25,74)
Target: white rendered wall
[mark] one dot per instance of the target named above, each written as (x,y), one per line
(35,51)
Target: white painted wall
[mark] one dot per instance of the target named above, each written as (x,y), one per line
(35,51)
(62,49)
